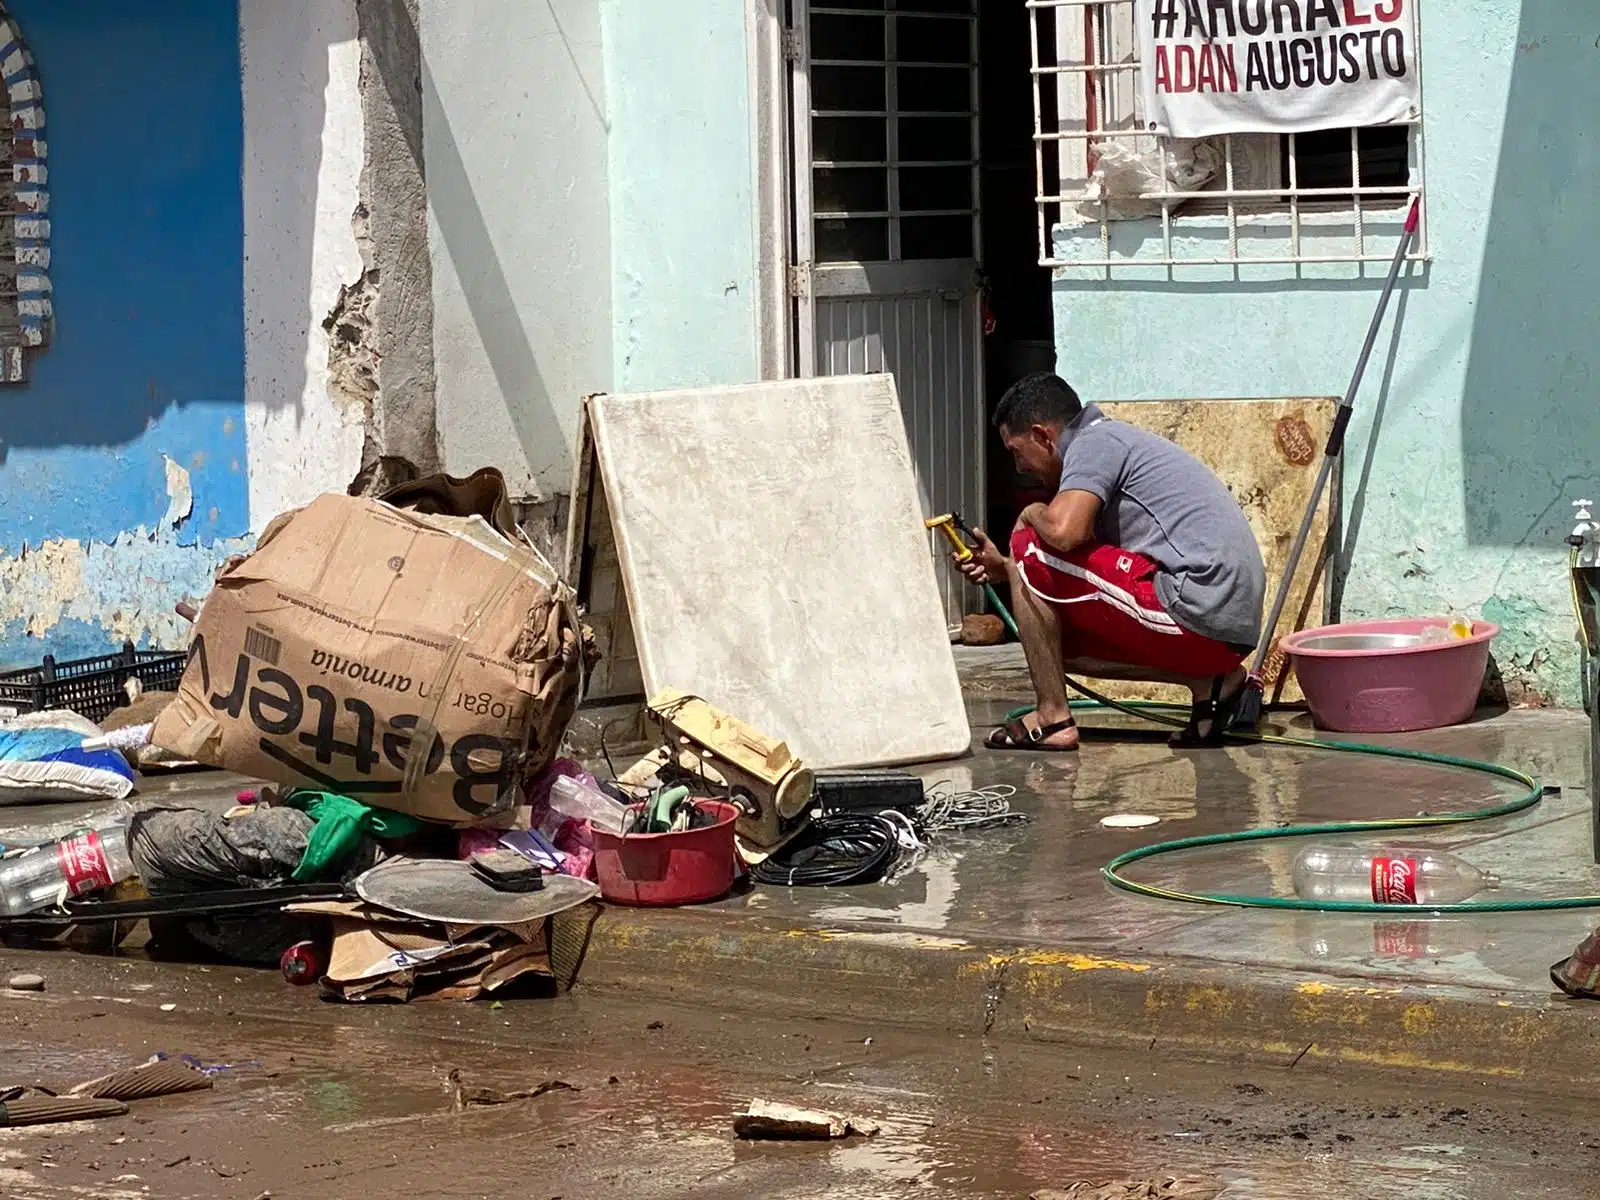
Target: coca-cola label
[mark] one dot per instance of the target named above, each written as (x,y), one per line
(1394,881)
(83,863)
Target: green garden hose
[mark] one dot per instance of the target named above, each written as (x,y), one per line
(1158,711)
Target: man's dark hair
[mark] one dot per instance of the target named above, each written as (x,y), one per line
(1041,399)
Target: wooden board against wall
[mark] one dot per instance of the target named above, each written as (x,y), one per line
(1268,453)
(762,546)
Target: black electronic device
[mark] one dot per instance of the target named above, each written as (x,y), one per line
(865,791)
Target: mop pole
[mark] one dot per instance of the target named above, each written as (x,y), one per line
(1250,705)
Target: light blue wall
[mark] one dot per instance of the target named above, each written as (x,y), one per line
(682,226)
(147,363)
(1479,421)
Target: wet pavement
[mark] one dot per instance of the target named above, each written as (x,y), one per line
(1039,883)
(313,1099)
(1028,1026)
(1014,929)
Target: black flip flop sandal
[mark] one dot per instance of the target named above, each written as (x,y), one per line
(1218,711)
(1014,735)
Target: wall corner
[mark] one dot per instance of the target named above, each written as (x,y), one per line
(394,335)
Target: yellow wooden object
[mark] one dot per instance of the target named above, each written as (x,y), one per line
(758,769)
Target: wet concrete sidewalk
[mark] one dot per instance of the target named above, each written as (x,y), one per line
(1013,928)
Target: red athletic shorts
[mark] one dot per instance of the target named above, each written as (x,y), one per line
(1106,599)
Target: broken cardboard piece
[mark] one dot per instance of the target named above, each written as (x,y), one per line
(50,1110)
(157,1077)
(729,510)
(361,952)
(765,1120)
(421,962)
(380,955)
(317,659)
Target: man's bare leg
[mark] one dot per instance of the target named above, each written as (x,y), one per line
(1039,630)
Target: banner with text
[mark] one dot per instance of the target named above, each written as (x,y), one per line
(1277,66)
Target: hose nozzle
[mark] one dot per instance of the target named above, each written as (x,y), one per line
(948,525)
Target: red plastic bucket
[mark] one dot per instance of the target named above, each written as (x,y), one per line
(669,868)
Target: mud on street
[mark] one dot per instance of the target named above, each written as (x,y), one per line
(314,1099)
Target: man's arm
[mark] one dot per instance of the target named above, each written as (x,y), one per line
(1066,523)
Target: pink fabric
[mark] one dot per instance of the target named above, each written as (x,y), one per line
(573,838)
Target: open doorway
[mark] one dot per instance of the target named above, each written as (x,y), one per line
(1022,337)
(915,228)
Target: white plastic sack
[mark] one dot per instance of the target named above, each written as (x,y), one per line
(42,757)
(1122,174)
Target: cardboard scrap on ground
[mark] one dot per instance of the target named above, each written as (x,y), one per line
(420,961)
(354,624)
(379,955)
(389,959)
(769,1121)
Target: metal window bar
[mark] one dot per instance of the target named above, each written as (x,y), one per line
(893,10)
(891,114)
(891,85)
(1107,59)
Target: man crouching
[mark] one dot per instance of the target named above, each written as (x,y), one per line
(1143,567)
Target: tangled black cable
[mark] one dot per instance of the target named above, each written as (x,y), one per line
(834,850)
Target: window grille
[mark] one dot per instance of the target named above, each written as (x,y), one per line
(893,129)
(1239,200)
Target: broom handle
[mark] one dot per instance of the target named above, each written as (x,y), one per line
(1335,446)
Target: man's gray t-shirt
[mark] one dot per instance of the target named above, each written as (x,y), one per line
(1159,501)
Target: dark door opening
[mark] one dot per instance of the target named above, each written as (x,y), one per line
(1019,295)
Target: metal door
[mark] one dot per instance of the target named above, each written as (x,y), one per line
(886,235)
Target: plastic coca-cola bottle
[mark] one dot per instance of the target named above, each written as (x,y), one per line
(85,862)
(1391,875)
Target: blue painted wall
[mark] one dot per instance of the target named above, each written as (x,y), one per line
(682,205)
(145,134)
(1479,421)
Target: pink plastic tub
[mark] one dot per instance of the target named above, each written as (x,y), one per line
(1376,677)
(690,867)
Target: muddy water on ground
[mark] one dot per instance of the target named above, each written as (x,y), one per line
(322,1101)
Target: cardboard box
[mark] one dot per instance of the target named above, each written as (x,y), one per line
(354,631)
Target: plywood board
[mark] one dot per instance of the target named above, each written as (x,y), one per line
(771,545)
(1268,453)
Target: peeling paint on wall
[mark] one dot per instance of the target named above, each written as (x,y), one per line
(180,495)
(83,597)
(352,346)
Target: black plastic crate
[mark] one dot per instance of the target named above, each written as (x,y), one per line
(90,687)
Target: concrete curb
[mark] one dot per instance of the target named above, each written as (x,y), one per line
(971,987)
